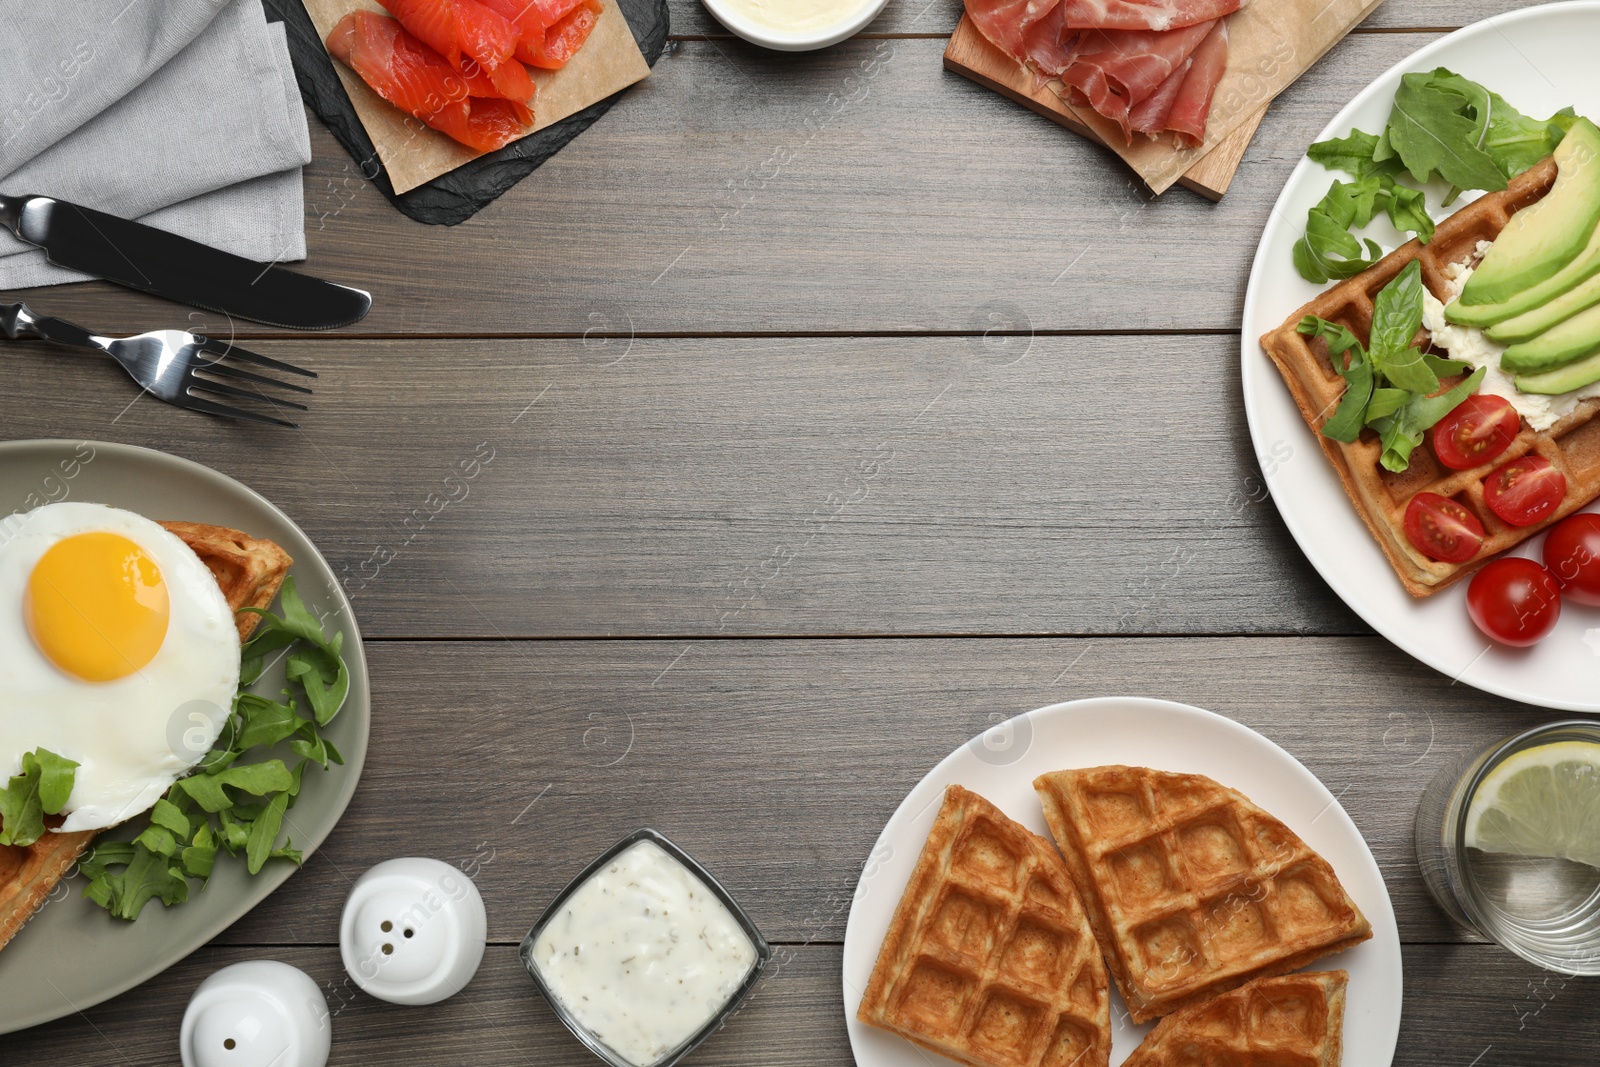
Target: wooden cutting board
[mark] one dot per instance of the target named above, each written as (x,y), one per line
(972,56)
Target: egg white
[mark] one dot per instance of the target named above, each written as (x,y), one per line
(134,736)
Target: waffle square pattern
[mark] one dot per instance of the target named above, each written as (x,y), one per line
(1191,888)
(990,958)
(1572,444)
(1296,1020)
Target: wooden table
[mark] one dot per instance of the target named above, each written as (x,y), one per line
(838,407)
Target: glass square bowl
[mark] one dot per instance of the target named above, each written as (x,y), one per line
(763,951)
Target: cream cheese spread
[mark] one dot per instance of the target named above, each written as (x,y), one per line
(1472,345)
(643,954)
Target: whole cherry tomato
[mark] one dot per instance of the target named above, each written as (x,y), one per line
(1514,601)
(1572,552)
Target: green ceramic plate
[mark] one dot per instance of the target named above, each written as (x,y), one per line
(72,954)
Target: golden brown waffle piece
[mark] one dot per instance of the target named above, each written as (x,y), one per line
(249,571)
(1192,889)
(1572,445)
(990,959)
(1293,1021)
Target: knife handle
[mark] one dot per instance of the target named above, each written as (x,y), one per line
(11,212)
(18,321)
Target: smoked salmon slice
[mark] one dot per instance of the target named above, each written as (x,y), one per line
(550,32)
(418,81)
(471,38)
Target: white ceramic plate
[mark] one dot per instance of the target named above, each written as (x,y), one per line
(1539,59)
(71,954)
(1001,764)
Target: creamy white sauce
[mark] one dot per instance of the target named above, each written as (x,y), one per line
(795,17)
(1471,344)
(643,954)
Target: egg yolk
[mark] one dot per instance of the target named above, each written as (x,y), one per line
(97,606)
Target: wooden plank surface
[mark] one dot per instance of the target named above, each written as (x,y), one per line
(860,189)
(1461,1002)
(774,486)
(902,464)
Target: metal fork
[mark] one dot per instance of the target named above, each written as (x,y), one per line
(169,364)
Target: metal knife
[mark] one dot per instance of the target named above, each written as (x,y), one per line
(155,261)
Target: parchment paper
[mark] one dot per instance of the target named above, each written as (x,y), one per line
(412,153)
(1270,44)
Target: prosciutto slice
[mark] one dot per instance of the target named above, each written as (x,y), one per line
(1191,109)
(1006,22)
(1144,14)
(1149,116)
(1049,46)
(1116,69)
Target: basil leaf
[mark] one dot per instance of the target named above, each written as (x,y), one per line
(1396,318)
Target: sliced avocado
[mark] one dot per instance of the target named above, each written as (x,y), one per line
(1580,270)
(1556,347)
(1531,324)
(1546,236)
(1564,380)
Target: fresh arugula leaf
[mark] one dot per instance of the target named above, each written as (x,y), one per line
(1408,211)
(1516,142)
(41,789)
(1431,132)
(258,779)
(1403,431)
(1445,368)
(1385,402)
(264,832)
(1353,155)
(1345,425)
(199,858)
(324,676)
(1327,249)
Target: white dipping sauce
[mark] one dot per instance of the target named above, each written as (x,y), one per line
(643,954)
(795,16)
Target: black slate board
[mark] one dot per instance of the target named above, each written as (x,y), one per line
(457,196)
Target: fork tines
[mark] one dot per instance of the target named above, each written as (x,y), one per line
(226,350)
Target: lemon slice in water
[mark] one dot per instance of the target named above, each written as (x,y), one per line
(1541,802)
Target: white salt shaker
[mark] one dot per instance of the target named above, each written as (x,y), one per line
(413,931)
(261,1013)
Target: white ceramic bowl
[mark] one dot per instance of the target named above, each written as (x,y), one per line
(799,40)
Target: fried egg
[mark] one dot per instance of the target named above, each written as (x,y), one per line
(117,650)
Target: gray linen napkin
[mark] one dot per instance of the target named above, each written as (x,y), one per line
(61,65)
(213,156)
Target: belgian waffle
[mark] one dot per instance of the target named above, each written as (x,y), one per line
(1192,889)
(1293,1021)
(1572,445)
(249,572)
(990,959)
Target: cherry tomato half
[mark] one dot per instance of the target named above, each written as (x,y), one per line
(1525,490)
(1441,529)
(1572,552)
(1480,428)
(1514,601)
